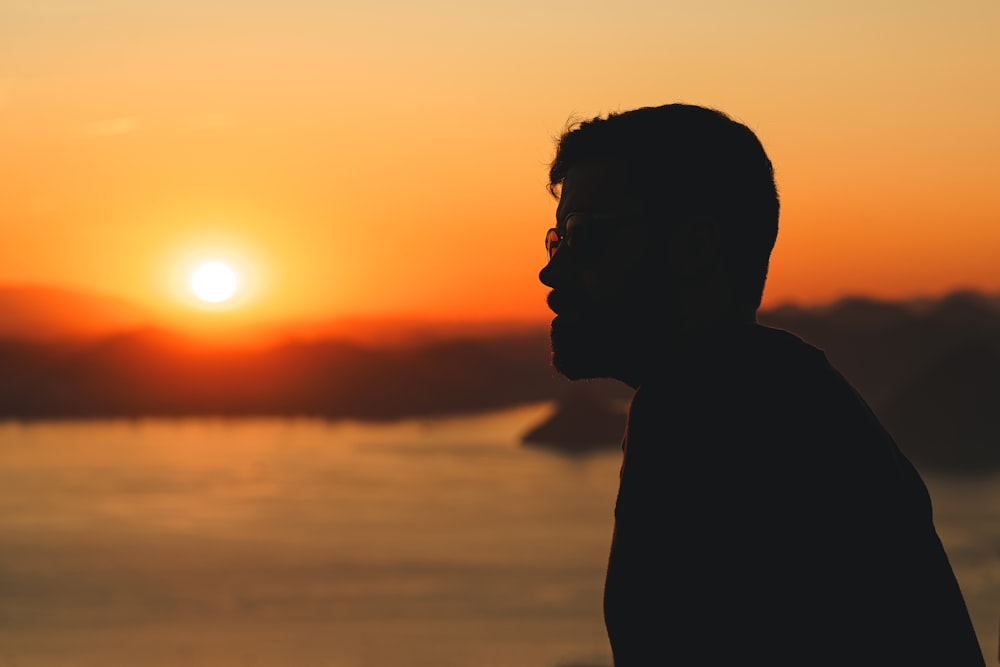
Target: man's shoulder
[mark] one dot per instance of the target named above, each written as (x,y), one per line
(782,343)
(748,355)
(782,355)
(780,363)
(755,375)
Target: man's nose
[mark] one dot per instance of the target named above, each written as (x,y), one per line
(553,271)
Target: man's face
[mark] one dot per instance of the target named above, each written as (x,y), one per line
(601,276)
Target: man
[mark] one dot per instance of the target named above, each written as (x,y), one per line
(763,516)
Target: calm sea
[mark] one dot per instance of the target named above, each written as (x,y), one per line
(301,543)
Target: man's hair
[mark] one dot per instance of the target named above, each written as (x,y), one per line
(689,160)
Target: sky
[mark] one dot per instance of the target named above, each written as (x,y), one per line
(352,158)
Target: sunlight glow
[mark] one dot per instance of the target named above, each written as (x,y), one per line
(214,282)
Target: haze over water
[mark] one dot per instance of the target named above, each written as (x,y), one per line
(293,543)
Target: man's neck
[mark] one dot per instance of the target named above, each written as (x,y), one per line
(678,346)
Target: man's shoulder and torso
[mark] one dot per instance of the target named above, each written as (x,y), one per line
(763,511)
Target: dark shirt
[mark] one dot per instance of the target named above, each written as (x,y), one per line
(764,516)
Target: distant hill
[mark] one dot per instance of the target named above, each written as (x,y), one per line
(582,422)
(949,413)
(35,312)
(881,346)
(157,372)
(929,368)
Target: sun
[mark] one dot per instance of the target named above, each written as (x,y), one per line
(214,282)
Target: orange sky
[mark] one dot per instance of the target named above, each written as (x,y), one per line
(390,158)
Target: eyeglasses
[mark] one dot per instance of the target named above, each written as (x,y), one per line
(553,238)
(578,233)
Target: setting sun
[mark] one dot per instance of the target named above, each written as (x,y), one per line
(214,282)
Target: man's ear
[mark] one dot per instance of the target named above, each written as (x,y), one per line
(695,245)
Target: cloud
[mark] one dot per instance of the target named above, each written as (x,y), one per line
(112,127)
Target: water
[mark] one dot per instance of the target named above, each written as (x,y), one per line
(300,543)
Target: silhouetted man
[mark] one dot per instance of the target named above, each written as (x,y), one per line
(764,516)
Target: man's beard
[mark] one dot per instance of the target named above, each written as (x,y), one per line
(608,335)
(584,348)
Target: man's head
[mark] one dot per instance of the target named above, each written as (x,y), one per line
(665,224)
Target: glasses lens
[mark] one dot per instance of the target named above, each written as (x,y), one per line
(552,239)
